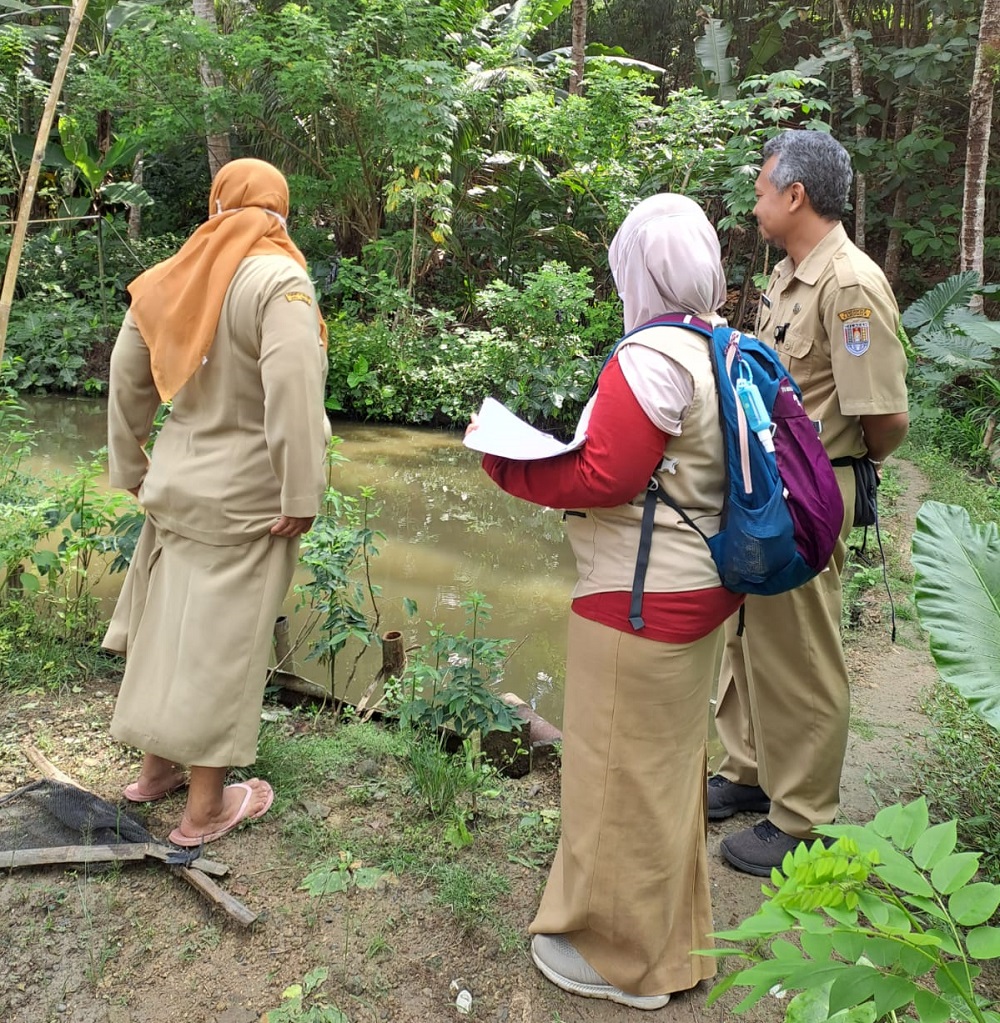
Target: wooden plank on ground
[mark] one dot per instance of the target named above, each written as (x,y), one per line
(194,877)
(124,851)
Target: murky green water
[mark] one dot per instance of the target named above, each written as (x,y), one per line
(449,531)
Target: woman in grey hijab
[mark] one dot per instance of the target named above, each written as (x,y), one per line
(627,900)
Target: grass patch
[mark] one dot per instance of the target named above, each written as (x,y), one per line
(954,487)
(865,599)
(862,728)
(533,842)
(960,773)
(35,650)
(472,894)
(294,762)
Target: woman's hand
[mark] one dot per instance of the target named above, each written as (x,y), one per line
(473,424)
(289,526)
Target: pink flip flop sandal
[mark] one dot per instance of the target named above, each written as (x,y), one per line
(188,841)
(136,795)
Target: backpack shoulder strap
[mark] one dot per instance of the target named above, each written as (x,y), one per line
(687,320)
(654,492)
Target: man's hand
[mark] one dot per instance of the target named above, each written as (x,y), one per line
(290,527)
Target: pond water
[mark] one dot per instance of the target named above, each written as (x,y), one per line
(449,531)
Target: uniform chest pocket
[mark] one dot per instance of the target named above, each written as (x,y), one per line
(797,345)
(798,352)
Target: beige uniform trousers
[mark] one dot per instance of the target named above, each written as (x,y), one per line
(196,623)
(784,697)
(629,884)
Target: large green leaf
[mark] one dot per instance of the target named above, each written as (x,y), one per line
(935,844)
(126,191)
(929,310)
(983,942)
(960,352)
(813,1006)
(711,51)
(768,43)
(957,566)
(975,903)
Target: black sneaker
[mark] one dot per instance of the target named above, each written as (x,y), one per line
(725,798)
(758,849)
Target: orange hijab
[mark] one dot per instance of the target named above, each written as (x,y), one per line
(177,303)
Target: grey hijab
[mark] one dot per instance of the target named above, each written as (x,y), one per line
(665,258)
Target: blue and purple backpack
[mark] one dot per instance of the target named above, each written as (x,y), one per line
(783,511)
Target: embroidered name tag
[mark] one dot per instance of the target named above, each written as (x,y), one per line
(855,314)
(298,296)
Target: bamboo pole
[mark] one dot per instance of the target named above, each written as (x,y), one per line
(34,168)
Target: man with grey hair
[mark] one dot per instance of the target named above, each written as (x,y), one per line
(784,700)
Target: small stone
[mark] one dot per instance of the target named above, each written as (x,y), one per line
(320,811)
(368,768)
(426,992)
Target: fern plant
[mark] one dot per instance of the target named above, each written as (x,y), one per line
(957,369)
(944,330)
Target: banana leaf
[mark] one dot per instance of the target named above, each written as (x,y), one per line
(957,567)
(711,51)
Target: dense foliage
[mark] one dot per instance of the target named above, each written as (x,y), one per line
(454,201)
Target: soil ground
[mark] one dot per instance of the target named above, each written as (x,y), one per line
(134,944)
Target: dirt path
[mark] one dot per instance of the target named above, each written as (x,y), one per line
(135,945)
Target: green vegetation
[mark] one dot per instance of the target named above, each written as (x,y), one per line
(889,923)
(300,1003)
(959,772)
(454,201)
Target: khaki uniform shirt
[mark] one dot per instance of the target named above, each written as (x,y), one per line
(246,437)
(833,320)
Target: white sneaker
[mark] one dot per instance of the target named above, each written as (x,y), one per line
(560,962)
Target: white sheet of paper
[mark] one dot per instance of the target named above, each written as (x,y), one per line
(502,433)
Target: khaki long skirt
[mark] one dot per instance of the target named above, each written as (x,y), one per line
(629,884)
(196,623)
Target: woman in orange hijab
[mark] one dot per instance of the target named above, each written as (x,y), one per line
(229,332)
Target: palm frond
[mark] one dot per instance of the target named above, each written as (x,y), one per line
(929,310)
(957,351)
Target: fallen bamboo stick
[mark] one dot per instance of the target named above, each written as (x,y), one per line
(300,685)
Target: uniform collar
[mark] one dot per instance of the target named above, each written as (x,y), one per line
(810,269)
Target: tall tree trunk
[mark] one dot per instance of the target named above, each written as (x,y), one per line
(577,46)
(217,143)
(135,212)
(103,132)
(858,92)
(894,246)
(984,77)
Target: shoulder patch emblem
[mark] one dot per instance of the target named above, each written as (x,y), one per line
(855,314)
(857,336)
(298,296)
